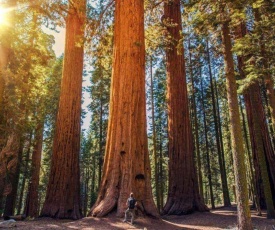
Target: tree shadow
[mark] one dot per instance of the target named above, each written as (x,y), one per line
(223,218)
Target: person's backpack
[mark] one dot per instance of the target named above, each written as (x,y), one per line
(132,203)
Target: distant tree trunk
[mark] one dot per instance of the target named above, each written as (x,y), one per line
(32,205)
(225,191)
(220,127)
(244,218)
(269,82)
(253,179)
(126,164)
(86,187)
(260,138)
(196,127)
(63,191)
(92,191)
(260,150)
(258,177)
(14,179)
(100,160)
(183,192)
(208,165)
(25,174)
(155,157)
(161,175)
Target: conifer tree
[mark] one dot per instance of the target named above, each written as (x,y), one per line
(126,164)
(63,191)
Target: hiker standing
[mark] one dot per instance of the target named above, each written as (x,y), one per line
(131,203)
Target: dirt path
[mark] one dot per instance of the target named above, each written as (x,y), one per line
(222,218)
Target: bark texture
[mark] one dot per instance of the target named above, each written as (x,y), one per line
(263,154)
(244,217)
(8,164)
(63,191)
(32,205)
(183,191)
(126,165)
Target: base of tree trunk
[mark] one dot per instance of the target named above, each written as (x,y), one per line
(180,207)
(60,213)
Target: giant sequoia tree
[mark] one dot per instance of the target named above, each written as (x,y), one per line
(126,165)
(183,193)
(63,192)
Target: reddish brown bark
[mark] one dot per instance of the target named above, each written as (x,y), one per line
(9,172)
(257,127)
(183,192)
(63,191)
(126,165)
(32,205)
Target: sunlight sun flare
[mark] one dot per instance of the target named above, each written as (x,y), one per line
(3,15)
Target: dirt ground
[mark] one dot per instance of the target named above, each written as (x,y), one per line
(222,218)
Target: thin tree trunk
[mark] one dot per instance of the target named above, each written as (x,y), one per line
(32,205)
(126,164)
(183,191)
(244,217)
(225,191)
(155,157)
(63,191)
(161,176)
(196,127)
(25,172)
(208,166)
(100,160)
(92,193)
(220,126)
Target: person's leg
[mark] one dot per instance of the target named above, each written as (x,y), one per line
(132,216)
(126,215)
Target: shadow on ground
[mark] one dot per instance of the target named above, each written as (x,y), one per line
(220,218)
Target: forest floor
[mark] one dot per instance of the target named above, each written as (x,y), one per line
(220,218)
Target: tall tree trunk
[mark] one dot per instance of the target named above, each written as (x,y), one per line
(244,217)
(155,157)
(126,165)
(260,138)
(220,126)
(32,205)
(100,160)
(260,150)
(225,191)
(253,180)
(161,174)
(63,191)
(269,82)
(25,174)
(208,165)
(196,127)
(183,192)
